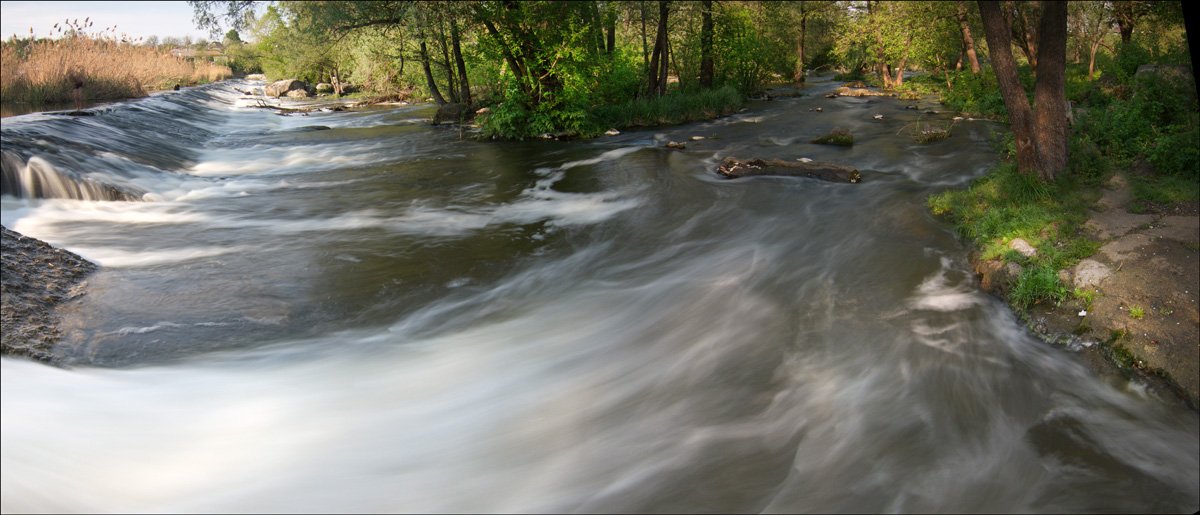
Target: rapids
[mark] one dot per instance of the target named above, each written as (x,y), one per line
(384,316)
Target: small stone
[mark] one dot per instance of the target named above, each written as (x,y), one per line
(612,132)
(1083,313)
(878,117)
(1023,247)
(675,145)
(697,138)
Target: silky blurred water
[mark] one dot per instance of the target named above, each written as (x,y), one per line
(357,312)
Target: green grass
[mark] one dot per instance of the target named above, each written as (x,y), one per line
(1005,205)
(1137,312)
(1086,296)
(672,109)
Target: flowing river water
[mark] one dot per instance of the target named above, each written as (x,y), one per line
(357,312)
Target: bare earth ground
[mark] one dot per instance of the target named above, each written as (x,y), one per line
(1149,264)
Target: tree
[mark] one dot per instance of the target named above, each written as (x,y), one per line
(806,11)
(706,43)
(968,42)
(1089,23)
(656,73)
(1041,137)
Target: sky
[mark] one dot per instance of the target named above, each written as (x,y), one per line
(138,19)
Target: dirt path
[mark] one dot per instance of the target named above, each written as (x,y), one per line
(1144,319)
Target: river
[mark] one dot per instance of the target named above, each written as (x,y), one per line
(357,312)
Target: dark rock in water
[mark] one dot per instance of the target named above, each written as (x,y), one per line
(675,145)
(734,168)
(73,113)
(35,279)
(837,136)
(453,113)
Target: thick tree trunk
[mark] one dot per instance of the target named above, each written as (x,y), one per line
(1049,95)
(429,82)
(1020,116)
(463,84)
(706,43)
(1124,15)
(968,41)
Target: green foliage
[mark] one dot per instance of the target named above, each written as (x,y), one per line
(1087,296)
(1136,312)
(975,94)
(1037,284)
(745,53)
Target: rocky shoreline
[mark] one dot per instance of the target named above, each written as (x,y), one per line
(34,279)
(1143,320)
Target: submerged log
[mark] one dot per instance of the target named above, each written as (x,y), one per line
(734,168)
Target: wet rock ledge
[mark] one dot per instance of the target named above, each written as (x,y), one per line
(34,279)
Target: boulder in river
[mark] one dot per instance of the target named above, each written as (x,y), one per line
(280,88)
(297,93)
(734,168)
(324,87)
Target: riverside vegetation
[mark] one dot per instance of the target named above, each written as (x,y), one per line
(111,66)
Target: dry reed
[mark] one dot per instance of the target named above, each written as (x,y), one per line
(41,71)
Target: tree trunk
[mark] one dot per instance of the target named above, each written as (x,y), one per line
(899,81)
(1049,94)
(1092,60)
(463,84)
(645,44)
(657,74)
(1124,15)
(706,43)
(1027,36)
(433,89)
(610,25)
(968,41)
(800,75)
(665,62)
(881,66)
(1020,117)
(450,80)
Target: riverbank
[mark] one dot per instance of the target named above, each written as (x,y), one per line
(34,279)
(1132,310)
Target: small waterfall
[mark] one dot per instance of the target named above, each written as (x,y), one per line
(37,178)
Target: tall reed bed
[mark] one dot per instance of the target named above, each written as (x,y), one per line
(46,71)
